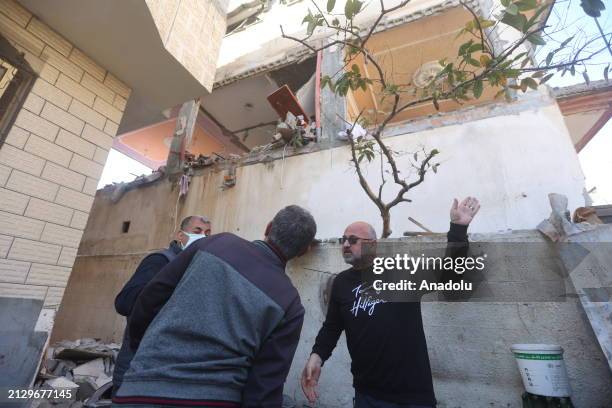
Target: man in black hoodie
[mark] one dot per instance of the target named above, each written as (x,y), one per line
(386,340)
(192,228)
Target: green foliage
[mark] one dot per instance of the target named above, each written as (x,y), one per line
(349,80)
(364,149)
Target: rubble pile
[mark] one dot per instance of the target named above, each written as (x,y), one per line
(82,366)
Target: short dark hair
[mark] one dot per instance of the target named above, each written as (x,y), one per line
(187,220)
(292,229)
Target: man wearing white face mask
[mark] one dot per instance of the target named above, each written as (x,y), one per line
(192,228)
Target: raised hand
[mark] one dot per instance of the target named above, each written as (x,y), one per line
(310,377)
(463,213)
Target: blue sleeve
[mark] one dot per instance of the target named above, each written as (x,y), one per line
(148,268)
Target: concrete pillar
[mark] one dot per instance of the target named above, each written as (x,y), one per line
(333,107)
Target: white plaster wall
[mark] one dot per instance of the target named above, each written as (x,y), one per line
(264,37)
(509,162)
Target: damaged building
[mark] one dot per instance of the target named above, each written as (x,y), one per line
(220,137)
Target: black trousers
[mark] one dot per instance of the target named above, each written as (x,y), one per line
(365,401)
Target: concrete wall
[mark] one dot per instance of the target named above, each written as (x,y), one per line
(52,158)
(468,343)
(510,161)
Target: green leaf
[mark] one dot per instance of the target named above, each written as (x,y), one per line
(335,22)
(526,5)
(435,103)
(550,57)
(415,156)
(538,74)
(474,48)
(546,78)
(486,23)
(536,39)
(330,5)
(515,21)
(355,68)
(586,78)
(565,42)
(478,86)
(351,8)
(528,82)
(505,3)
(512,9)
(434,152)
(472,61)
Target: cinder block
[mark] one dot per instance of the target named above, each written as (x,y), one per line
(111,128)
(16,12)
(22,291)
(67,256)
(5,245)
(78,57)
(98,88)
(117,86)
(51,275)
(44,70)
(18,159)
(108,110)
(17,137)
(75,143)
(62,118)
(65,236)
(62,63)
(34,103)
(91,186)
(120,102)
(86,166)
(32,185)
(19,226)
(20,35)
(97,137)
(54,296)
(47,150)
(79,220)
(34,251)
(5,172)
(12,201)
(13,271)
(100,156)
(51,93)
(46,211)
(50,37)
(37,125)
(87,114)
(74,199)
(75,89)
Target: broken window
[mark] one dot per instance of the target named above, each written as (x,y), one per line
(408,55)
(242,108)
(16,80)
(245,14)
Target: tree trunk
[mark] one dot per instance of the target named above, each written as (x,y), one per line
(386,216)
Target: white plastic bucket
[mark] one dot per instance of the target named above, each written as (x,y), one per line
(542,369)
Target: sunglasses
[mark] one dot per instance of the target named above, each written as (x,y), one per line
(352,239)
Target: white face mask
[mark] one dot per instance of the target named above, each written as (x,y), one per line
(192,238)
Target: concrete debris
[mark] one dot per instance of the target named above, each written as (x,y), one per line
(357,132)
(61,382)
(558,227)
(586,214)
(84,366)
